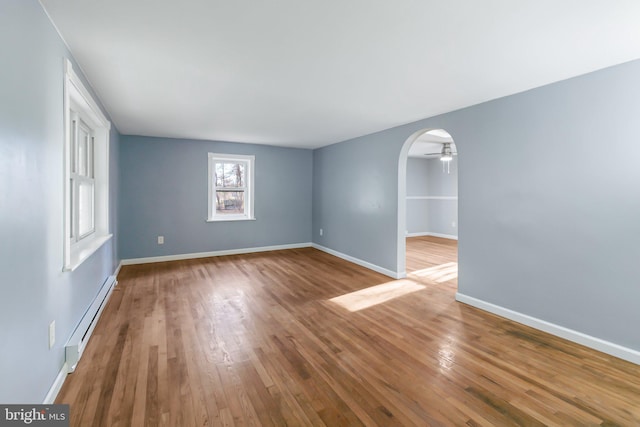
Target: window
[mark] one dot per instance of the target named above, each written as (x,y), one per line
(86,172)
(230,187)
(82,181)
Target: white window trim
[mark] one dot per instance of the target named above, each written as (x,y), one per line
(78,177)
(249,178)
(77,98)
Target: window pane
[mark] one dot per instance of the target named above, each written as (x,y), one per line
(229,202)
(83,151)
(219,173)
(72,199)
(74,147)
(230,174)
(91,142)
(85,208)
(240,174)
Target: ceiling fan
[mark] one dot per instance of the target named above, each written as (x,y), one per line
(446,155)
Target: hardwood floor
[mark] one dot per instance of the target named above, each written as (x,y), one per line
(300,338)
(428,251)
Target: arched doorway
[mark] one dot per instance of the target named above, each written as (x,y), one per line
(427,197)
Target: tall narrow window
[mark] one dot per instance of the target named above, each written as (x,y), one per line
(86,225)
(82,203)
(230,187)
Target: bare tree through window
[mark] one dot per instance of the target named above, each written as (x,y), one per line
(230,188)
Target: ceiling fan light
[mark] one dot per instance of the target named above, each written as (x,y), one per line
(446,155)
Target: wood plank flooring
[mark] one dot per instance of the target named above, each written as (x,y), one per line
(301,338)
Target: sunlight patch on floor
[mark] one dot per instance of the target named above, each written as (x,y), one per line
(377,294)
(439,273)
(447,355)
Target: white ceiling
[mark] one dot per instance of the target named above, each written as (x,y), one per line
(311,73)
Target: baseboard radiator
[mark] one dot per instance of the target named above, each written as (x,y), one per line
(78,341)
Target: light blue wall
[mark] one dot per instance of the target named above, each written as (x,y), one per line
(417,216)
(427,178)
(164,192)
(549,200)
(417,186)
(443,218)
(355,198)
(417,177)
(443,213)
(33,289)
(442,182)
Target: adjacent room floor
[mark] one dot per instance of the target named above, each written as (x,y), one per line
(300,337)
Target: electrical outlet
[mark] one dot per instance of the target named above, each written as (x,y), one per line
(52,333)
(321,231)
(453,224)
(161,240)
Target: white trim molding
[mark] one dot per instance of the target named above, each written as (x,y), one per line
(57,385)
(195,255)
(77,343)
(178,257)
(79,106)
(248,188)
(64,370)
(598,344)
(84,252)
(361,263)
(432,197)
(115,273)
(428,233)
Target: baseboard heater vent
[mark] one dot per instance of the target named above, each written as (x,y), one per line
(76,344)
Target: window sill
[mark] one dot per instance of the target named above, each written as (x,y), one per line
(237,218)
(82,254)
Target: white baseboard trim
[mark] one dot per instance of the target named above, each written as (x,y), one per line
(432,197)
(115,273)
(178,257)
(56,386)
(360,262)
(427,233)
(418,234)
(64,370)
(607,347)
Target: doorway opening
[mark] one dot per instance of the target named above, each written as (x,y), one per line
(428,207)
